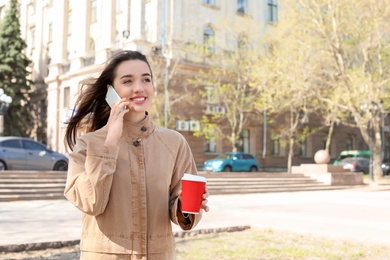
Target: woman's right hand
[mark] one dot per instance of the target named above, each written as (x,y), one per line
(115,122)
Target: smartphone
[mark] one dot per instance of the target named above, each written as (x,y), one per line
(112,96)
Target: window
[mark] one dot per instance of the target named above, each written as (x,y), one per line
(50,33)
(242,6)
(118,38)
(32,31)
(208,40)
(242,42)
(272,11)
(66,97)
(30,145)
(70,22)
(31,8)
(210,145)
(93,10)
(119,5)
(275,144)
(92,47)
(209,2)
(303,148)
(349,143)
(11,144)
(243,141)
(212,97)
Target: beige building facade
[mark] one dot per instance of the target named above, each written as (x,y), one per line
(69,40)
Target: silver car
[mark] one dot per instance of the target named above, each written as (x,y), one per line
(20,153)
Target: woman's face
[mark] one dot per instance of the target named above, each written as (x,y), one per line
(133,81)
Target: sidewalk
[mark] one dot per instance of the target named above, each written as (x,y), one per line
(356,213)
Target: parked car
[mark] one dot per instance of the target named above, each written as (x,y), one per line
(352,153)
(356,164)
(386,168)
(360,164)
(20,153)
(232,162)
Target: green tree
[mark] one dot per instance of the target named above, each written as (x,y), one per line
(14,73)
(353,43)
(226,80)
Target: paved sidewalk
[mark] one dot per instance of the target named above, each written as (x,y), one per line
(357,214)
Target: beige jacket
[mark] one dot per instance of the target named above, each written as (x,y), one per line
(128,194)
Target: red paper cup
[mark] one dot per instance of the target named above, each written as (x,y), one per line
(193,187)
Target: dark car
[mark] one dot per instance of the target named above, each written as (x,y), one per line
(360,164)
(356,164)
(386,168)
(232,162)
(20,153)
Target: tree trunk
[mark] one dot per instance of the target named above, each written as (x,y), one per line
(329,139)
(290,154)
(291,142)
(376,149)
(234,141)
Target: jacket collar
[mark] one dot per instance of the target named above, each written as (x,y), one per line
(140,129)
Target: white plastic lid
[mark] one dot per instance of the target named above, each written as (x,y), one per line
(192,177)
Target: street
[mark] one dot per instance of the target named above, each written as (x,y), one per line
(360,214)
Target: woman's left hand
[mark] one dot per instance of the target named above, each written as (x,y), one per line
(204,202)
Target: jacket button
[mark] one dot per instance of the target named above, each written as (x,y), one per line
(143,129)
(136,143)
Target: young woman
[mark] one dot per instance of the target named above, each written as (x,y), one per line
(125,172)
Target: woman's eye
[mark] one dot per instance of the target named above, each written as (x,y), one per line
(127,81)
(147,80)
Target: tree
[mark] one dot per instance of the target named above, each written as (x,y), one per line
(287,92)
(226,78)
(353,41)
(14,73)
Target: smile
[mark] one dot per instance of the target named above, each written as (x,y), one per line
(138,99)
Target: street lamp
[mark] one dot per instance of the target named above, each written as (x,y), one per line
(4,104)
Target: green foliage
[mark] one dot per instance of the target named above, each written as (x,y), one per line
(227,80)
(14,74)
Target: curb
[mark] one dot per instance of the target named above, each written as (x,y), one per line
(59,244)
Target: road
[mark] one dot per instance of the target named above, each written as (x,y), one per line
(355,214)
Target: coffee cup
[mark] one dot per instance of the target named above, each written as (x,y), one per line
(193,187)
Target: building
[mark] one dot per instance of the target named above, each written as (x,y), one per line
(69,40)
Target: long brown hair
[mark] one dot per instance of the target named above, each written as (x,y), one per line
(91,110)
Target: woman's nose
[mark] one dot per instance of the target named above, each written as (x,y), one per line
(138,86)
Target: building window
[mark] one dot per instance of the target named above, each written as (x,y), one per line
(349,143)
(118,38)
(66,97)
(208,40)
(242,6)
(275,144)
(93,11)
(243,141)
(50,33)
(32,31)
(242,42)
(303,148)
(91,47)
(209,2)
(272,11)
(31,8)
(210,145)
(70,22)
(119,5)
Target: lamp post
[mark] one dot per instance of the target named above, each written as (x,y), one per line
(5,101)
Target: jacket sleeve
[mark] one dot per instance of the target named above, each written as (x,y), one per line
(90,174)
(185,163)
